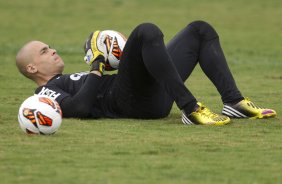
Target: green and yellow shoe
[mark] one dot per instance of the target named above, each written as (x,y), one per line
(247,109)
(204,116)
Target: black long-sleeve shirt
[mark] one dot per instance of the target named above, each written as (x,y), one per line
(80,95)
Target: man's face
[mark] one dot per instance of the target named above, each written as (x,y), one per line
(46,59)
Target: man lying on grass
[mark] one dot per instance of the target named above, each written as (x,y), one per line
(150,78)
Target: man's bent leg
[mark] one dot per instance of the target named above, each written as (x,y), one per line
(146,70)
(199,42)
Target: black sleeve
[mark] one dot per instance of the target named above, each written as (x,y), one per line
(81,104)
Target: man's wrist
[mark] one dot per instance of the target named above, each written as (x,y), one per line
(96,72)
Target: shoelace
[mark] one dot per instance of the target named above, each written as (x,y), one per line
(207,112)
(251,104)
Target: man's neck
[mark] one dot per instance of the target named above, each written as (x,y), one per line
(40,81)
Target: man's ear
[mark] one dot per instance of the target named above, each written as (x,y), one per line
(30,68)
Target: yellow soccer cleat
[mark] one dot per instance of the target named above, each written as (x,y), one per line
(204,116)
(247,109)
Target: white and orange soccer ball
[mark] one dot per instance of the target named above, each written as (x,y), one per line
(40,115)
(111,43)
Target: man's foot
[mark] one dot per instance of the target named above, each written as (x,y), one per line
(247,109)
(204,116)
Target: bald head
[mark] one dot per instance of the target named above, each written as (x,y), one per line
(25,57)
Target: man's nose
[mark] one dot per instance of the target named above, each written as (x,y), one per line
(54,51)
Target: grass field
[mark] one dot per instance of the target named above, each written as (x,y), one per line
(152,151)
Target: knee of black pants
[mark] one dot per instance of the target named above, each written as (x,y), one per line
(204,30)
(148,32)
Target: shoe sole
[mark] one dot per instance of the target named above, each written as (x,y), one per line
(187,121)
(233,113)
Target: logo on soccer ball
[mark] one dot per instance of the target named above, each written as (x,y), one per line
(112,42)
(43,120)
(47,101)
(29,114)
(53,104)
(117,52)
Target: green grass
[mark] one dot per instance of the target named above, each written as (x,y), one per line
(151,151)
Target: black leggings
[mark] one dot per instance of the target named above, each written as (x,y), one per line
(151,75)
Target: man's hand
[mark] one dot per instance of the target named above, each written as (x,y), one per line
(91,48)
(98,64)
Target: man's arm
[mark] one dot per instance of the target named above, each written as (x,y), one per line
(80,105)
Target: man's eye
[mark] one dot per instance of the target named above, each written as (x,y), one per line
(44,51)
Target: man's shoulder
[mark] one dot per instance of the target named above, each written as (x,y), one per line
(53,87)
(67,77)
